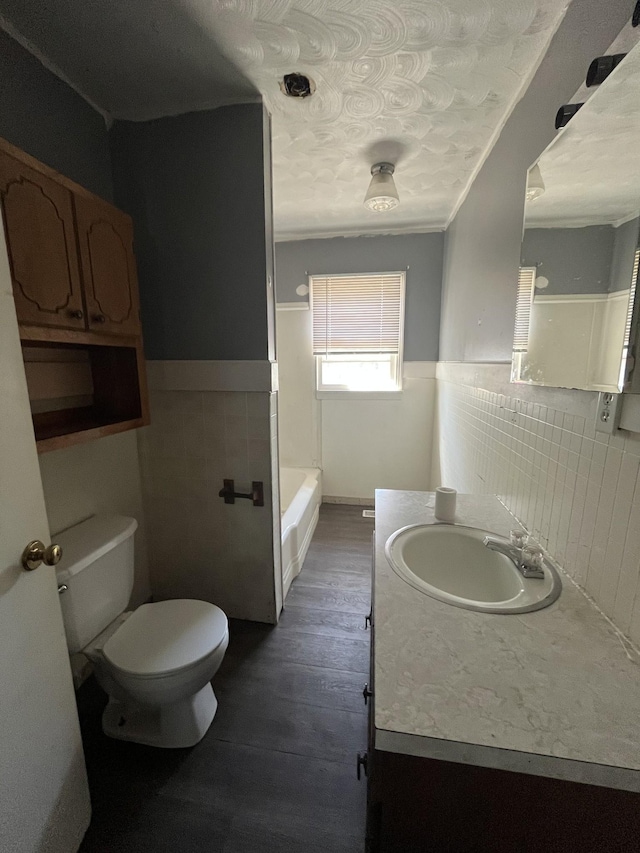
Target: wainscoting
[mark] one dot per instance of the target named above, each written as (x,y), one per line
(212,420)
(577,491)
(200,547)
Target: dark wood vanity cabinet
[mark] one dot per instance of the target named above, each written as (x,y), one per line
(421,804)
(372,832)
(418,805)
(75,287)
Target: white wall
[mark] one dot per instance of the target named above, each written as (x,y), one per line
(102,476)
(606,369)
(360,444)
(380,444)
(298,409)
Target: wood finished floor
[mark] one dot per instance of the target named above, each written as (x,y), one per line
(276,771)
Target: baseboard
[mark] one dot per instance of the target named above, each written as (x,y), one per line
(339,499)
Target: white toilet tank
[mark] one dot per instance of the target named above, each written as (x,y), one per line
(97,568)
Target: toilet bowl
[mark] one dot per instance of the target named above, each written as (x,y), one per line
(157,666)
(156,662)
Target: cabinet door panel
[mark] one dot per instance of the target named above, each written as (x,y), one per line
(108,267)
(40,233)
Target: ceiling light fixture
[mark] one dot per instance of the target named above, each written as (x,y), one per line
(535,184)
(382,194)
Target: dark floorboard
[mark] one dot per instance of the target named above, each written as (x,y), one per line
(308,685)
(325,622)
(329,598)
(276,771)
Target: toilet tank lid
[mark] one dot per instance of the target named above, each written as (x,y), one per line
(86,542)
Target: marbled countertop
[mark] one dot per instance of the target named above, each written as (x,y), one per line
(554,693)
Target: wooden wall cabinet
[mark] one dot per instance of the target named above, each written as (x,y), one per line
(41,244)
(76,294)
(105,240)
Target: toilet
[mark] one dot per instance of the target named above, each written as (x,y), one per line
(155,663)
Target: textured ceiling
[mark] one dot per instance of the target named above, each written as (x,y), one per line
(426,84)
(422,83)
(592,169)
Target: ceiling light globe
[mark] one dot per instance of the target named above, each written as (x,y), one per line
(382,194)
(380,203)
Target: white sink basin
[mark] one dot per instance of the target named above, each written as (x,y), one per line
(449,562)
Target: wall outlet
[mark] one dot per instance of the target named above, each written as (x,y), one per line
(608,412)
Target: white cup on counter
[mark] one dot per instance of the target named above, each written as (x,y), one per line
(445,509)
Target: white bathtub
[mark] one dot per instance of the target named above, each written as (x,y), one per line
(300,498)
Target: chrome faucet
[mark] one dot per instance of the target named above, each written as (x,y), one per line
(528,559)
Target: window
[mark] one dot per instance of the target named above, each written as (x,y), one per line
(627,325)
(358,322)
(524,300)
(632,298)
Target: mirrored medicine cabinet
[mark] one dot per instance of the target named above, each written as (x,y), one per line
(575,324)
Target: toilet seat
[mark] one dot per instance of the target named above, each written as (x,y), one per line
(166,637)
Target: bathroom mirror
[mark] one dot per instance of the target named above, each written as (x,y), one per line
(579,258)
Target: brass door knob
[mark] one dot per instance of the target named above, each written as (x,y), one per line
(36,553)
(99,318)
(76,315)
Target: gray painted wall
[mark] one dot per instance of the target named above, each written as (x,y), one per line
(43,116)
(482,247)
(194,185)
(422,253)
(575,260)
(137,60)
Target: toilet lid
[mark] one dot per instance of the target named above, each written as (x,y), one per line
(166,636)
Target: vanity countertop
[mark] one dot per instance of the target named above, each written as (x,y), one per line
(554,693)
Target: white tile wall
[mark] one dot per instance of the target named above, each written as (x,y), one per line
(199,546)
(576,491)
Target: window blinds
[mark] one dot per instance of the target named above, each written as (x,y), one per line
(632,294)
(526,285)
(357,313)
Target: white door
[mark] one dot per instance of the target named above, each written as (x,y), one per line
(44,796)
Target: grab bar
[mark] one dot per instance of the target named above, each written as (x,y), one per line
(229,493)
